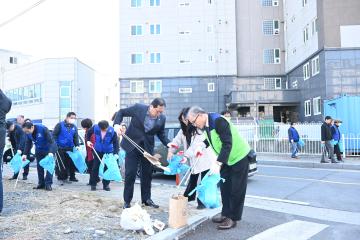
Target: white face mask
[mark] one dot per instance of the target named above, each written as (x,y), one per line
(339,124)
(72,121)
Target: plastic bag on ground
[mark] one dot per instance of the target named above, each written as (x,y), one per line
(16,163)
(78,160)
(48,163)
(112,173)
(175,166)
(208,192)
(136,218)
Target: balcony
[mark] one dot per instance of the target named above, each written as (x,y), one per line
(263,97)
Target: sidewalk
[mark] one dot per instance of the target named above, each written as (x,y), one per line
(71,200)
(306,161)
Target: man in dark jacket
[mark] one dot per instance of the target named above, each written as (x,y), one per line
(17,139)
(326,141)
(294,140)
(146,122)
(336,138)
(66,137)
(5,106)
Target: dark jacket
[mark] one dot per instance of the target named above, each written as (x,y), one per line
(136,129)
(57,134)
(336,135)
(326,132)
(293,134)
(5,106)
(17,138)
(44,133)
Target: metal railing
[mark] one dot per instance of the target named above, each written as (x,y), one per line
(273,138)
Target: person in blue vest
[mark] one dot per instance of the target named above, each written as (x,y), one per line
(294,140)
(17,139)
(106,141)
(66,137)
(336,137)
(44,145)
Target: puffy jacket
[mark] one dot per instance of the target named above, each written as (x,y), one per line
(5,106)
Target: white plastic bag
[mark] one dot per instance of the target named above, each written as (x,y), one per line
(136,218)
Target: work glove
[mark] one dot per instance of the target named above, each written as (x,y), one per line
(51,155)
(90,144)
(23,157)
(19,152)
(215,168)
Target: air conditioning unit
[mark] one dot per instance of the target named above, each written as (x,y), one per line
(275,3)
(276,31)
(277,60)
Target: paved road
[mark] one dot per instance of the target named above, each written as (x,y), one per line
(294,203)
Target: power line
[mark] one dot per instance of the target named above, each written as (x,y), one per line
(21,13)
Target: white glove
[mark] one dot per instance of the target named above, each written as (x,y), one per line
(117,129)
(215,168)
(116,156)
(23,157)
(90,144)
(19,152)
(51,155)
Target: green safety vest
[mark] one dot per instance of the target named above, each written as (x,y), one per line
(240,147)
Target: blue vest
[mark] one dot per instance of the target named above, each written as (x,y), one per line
(40,141)
(336,134)
(104,145)
(295,134)
(66,136)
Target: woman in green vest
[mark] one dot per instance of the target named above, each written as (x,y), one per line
(232,163)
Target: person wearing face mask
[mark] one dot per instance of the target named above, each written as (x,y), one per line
(106,141)
(336,137)
(66,137)
(233,153)
(146,122)
(44,145)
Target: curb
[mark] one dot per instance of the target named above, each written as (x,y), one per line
(193,222)
(303,164)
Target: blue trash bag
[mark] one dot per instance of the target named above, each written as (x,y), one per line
(175,166)
(208,192)
(301,143)
(48,163)
(112,173)
(341,146)
(17,163)
(121,160)
(78,160)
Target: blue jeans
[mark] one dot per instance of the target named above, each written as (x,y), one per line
(2,146)
(294,149)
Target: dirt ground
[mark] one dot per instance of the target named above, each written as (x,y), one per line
(63,214)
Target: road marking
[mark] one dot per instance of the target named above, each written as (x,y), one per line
(294,230)
(308,179)
(311,169)
(279,200)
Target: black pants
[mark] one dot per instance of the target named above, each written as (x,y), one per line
(337,151)
(43,179)
(25,172)
(65,161)
(233,190)
(133,160)
(192,185)
(94,175)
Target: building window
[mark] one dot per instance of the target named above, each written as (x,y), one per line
(136,58)
(315,66)
(294,84)
(211,58)
(13,60)
(306,33)
(136,3)
(154,3)
(155,29)
(271,27)
(155,58)
(304,3)
(65,98)
(211,87)
(136,30)
(306,71)
(25,95)
(314,26)
(210,1)
(317,105)
(155,86)
(136,86)
(307,105)
(270,3)
(271,56)
(272,83)
(210,29)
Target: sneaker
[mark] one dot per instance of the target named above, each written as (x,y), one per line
(93,188)
(24,178)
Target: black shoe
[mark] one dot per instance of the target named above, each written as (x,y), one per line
(150,203)
(48,188)
(218,218)
(126,205)
(24,178)
(324,161)
(335,161)
(73,179)
(200,206)
(226,224)
(106,188)
(13,177)
(93,188)
(39,187)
